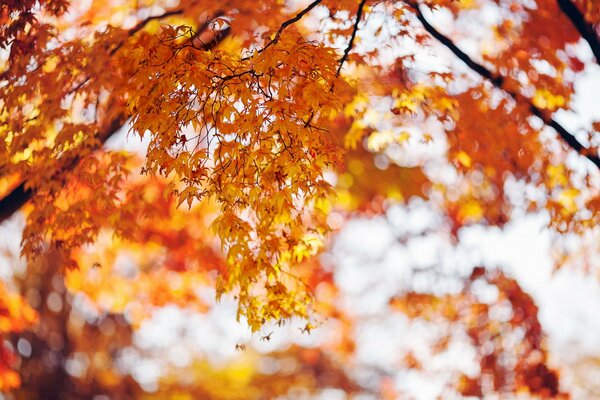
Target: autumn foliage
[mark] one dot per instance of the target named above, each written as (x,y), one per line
(262,130)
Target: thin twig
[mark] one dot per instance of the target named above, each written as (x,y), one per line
(287,23)
(291,21)
(359,13)
(143,23)
(140,25)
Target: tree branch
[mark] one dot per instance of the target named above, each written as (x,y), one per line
(586,30)
(14,201)
(287,23)
(144,22)
(359,13)
(295,19)
(20,196)
(498,81)
(217,39)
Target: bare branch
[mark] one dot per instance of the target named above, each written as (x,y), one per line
(287,23)
(217,39)
(359,13)
(586,30)
(498,81)
(144,22)
(295,19)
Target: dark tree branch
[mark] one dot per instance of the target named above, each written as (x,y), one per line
(359,13)
(19,196)
(287,23)
(586,30)
(498,82)
(144,22)
(216,40)
(293,20)
(14,201)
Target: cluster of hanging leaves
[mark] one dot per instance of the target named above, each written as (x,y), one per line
(251,134)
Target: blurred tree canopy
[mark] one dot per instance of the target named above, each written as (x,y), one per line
(267,126)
